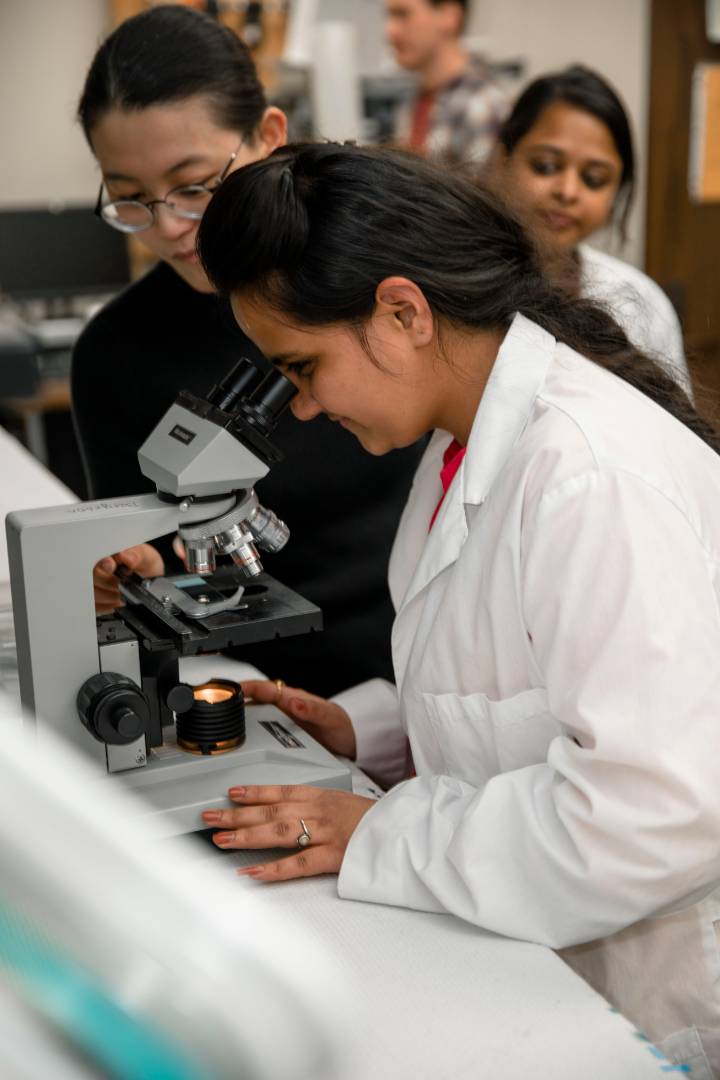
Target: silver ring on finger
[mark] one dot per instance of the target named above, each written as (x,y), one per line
(304,838)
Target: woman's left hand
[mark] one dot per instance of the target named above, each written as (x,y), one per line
(271,816)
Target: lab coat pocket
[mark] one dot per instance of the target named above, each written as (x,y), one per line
(524,728)
(478,738)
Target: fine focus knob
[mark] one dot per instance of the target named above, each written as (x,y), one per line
(113,708)
(181,698)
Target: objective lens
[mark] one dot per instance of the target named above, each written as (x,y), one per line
(271,534)
(246,557)
(238,543)
(200,557)
(231,538)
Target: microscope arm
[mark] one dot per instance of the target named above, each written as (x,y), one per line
(51,553)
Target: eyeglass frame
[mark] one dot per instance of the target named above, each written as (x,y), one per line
(98,211)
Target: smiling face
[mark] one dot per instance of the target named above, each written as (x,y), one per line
(387,402)
(564,175)
(145,153)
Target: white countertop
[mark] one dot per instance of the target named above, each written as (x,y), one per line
(440,998)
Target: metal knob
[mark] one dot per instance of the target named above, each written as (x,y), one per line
(113,708)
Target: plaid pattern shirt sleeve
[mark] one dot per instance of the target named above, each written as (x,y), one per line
(466,116)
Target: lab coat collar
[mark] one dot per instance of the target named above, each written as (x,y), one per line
(517,376)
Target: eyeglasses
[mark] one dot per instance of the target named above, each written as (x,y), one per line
(188,201)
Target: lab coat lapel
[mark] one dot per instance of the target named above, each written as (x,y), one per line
(515,381)
(445,539)
(412,534)
(441,548)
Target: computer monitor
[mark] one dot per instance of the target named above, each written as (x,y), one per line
(53,252)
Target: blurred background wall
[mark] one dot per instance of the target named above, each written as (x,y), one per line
(45,49)
(649,49)
(46,45)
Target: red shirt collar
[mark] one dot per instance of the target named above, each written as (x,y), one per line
(451,463)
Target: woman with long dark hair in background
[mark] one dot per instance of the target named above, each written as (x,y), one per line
(565,160)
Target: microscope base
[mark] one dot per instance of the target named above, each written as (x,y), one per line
(179,785)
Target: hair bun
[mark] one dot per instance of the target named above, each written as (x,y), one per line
(256,220)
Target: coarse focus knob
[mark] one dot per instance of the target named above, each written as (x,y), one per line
(113,708)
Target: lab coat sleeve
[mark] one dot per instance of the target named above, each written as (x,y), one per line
(640,306)
(622,821)
(382,745)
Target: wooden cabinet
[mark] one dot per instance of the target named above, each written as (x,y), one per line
(683,237)
(232,13)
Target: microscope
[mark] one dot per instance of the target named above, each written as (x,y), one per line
(111,685)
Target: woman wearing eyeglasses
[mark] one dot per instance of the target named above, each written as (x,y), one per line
(171,105)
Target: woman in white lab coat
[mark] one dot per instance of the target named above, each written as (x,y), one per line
(565,160)
(555,578)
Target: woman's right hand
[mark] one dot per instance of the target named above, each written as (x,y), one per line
(325,721)
(143,559)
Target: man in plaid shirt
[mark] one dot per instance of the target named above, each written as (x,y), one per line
(459,109)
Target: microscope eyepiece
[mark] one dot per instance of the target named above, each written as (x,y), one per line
(274,393)
(260,398)
(262,409)
(239,382)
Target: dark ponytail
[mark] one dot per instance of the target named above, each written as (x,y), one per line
(313,229)
(171,53)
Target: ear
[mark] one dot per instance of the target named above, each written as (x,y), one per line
(405,303)
(272,130)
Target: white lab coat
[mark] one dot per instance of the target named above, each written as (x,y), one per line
(638,304)
(556,649)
